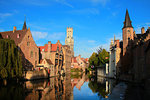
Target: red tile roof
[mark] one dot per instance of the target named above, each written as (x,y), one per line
(53,47)
(74,60)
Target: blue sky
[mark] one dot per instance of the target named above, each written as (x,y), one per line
(94,21)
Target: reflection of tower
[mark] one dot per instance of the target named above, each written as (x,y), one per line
(69,40)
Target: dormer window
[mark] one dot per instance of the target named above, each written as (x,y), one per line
(7,36)
(18,35)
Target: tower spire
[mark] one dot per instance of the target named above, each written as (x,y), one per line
(127,22)
(24,25)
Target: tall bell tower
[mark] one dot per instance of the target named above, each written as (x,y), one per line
(69,40)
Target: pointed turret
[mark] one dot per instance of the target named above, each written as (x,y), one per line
(24,25)
(127,22)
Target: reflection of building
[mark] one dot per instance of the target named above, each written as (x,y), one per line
(53,52)
(78,82)
(54,89)
(78,62)
(24,40)
(69,40)
(67,58)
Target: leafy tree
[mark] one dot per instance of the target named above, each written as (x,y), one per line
(4,73)
(10,60)
(99,58)
(1,36)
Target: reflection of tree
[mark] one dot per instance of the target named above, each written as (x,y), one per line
(97,87)
(15,92)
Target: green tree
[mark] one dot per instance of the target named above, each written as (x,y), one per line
(10,60)
(4,73)
(99,58)
(1,36)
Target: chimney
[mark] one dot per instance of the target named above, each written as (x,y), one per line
(58,42)
(142,30)
(14,29)
(49,46)
(79,56)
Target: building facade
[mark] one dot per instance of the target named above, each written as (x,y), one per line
(46,63)
(80,63)
(69,40)
(114,59)
(25,43)
(54,52)
(131,57)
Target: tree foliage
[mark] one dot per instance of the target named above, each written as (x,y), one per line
(99,58)
(10,60)
(1,36)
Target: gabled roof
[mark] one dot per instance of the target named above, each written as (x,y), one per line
(53,47)
(13,35)
(74,60)
(47,60)
(127,22)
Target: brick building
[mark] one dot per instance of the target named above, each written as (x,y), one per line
(114,58)
(25,43)
(134,54)
(54,52)
(80,63)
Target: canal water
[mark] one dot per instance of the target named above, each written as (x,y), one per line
(69,87)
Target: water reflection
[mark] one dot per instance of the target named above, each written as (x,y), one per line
(70,87)
(52,89)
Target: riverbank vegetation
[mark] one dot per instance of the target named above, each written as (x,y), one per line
(99,58)
(10,60)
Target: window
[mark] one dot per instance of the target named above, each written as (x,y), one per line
(35,62)
(28,43)
(35,54)
(18,35)
(7,36)
(31,54)
(28,37)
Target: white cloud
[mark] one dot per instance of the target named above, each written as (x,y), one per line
(39,35)
(56,36)
(46,2)
(64,2)
(102,2)
(91,41)
(3,15)
(47,36)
